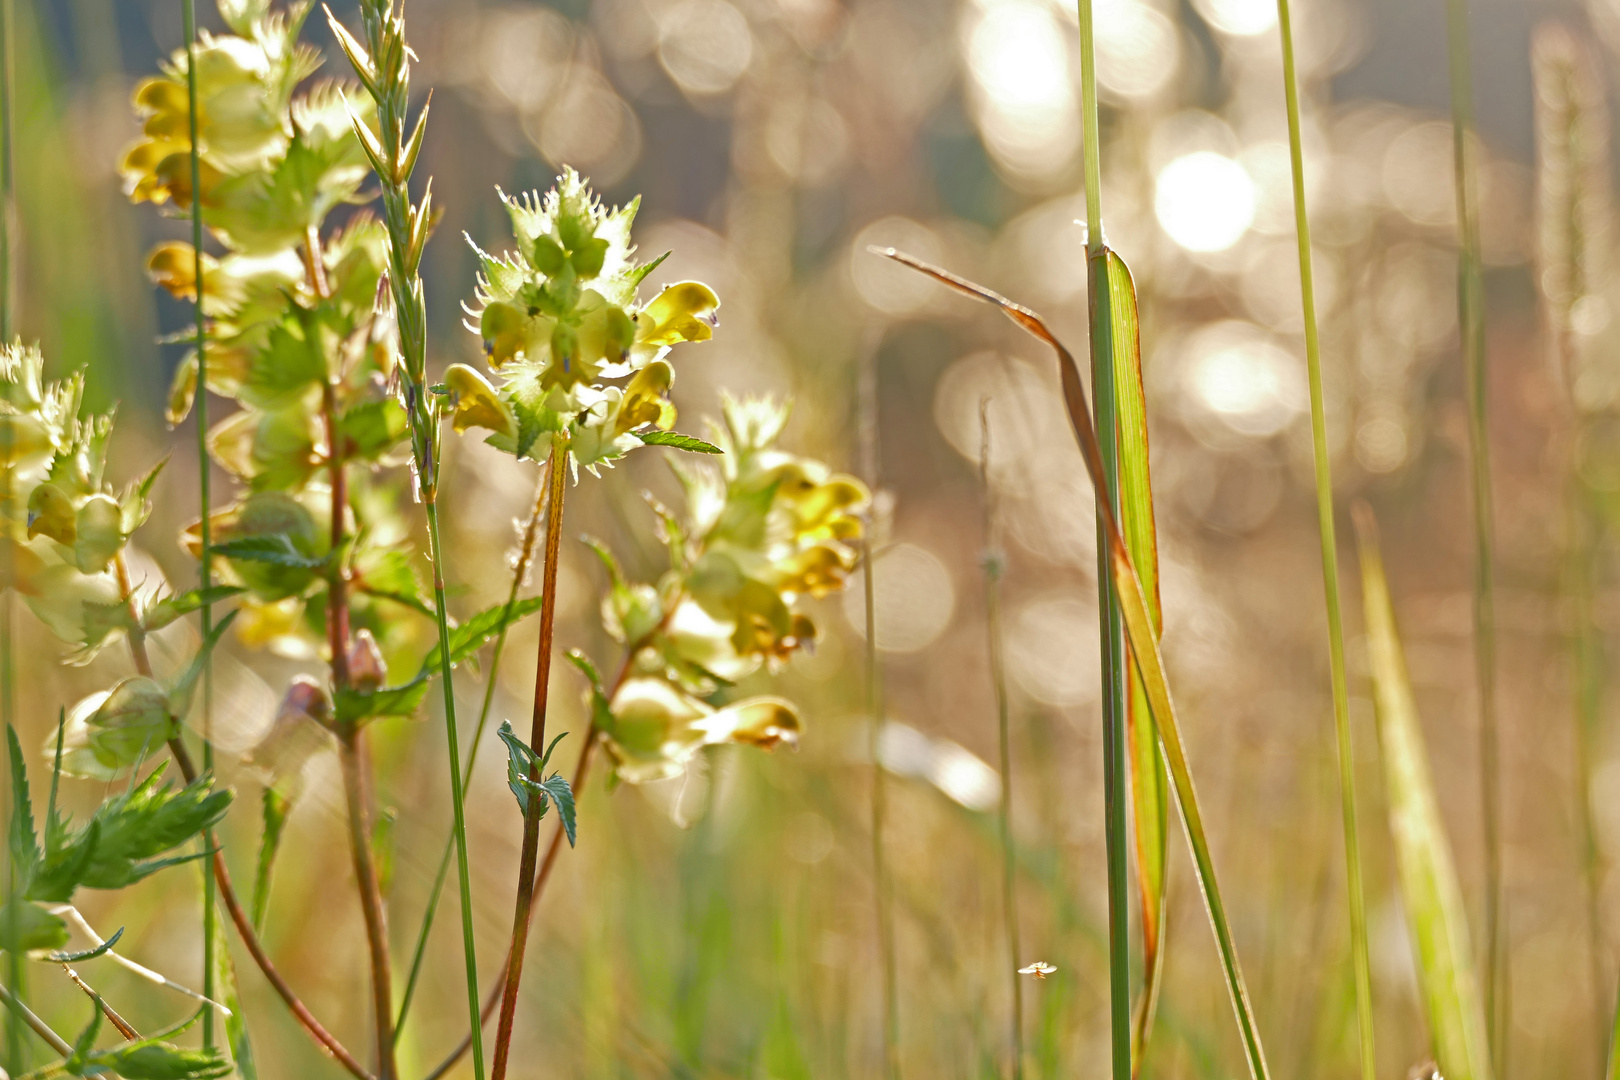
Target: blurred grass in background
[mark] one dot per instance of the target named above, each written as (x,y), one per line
(722,926)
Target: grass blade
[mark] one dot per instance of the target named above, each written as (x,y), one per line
(1434,906)
(1330,564)
(1471,321)
(14,1059)
(1150,805)
(1134,612)
(1107,339)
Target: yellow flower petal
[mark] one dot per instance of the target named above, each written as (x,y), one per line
(682,312)
(475,402)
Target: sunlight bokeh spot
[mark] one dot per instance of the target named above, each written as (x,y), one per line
(1204,201)
(915,599)
(705,45)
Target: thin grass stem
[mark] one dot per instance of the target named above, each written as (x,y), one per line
(1114,666)
(1330,562)
(8,603)
(520,572)
(993,568)
(205,569)
(1471,321)
(866,401)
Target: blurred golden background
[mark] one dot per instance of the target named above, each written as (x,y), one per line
(722,925)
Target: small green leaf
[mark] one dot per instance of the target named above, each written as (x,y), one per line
(275,809)
(680,442)
(471,635)
(556,786)
(170,608)
(88,954)
(23,839)
(277,549)
(351,706)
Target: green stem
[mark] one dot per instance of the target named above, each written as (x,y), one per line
(8,685)
(205,561)
(463,876)
(1471,321)
(866,402)
(993,569)
(1111,630)
(1330,562)
(519,572)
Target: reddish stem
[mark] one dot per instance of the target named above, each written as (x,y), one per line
(537,738)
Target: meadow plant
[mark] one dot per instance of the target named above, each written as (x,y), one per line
(312,327)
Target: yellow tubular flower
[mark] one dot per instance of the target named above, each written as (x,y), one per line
(474,402)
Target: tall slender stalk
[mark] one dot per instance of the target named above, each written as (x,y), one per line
(1471,321)
(537,738)
(866,400)
(8,602)
(383,67)
(993,569)
(520,571)
(1330,562)
(205,568)
(1111,631)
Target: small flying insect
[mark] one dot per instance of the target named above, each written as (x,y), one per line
(1040,969)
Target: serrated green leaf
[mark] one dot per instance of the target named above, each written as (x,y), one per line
(471,635)
(23,839)
(124,839)
(351,706)
(277,549)
(557,787)
(689,443)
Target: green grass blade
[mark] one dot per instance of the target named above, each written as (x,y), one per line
(1330,564)
(1150,796)
(275,809)
(1612,1072)
(224,980)
(14,1059)
(1107,339)
(1471,321)
(1139,630)
(1434,906)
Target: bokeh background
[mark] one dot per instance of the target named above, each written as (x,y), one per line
(723,926)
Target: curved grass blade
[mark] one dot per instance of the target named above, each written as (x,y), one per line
(1330,563)
(1150,806)
(1434,906)
(1139,630)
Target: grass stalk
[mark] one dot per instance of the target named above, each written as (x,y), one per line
(1136,614)
(385,71)
(520,571)
(1575,211)
(1330,563)
(1114,666)
(867,407)
(8,602)
(205,569)
(1471,321)
(994,566)
(537,738)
